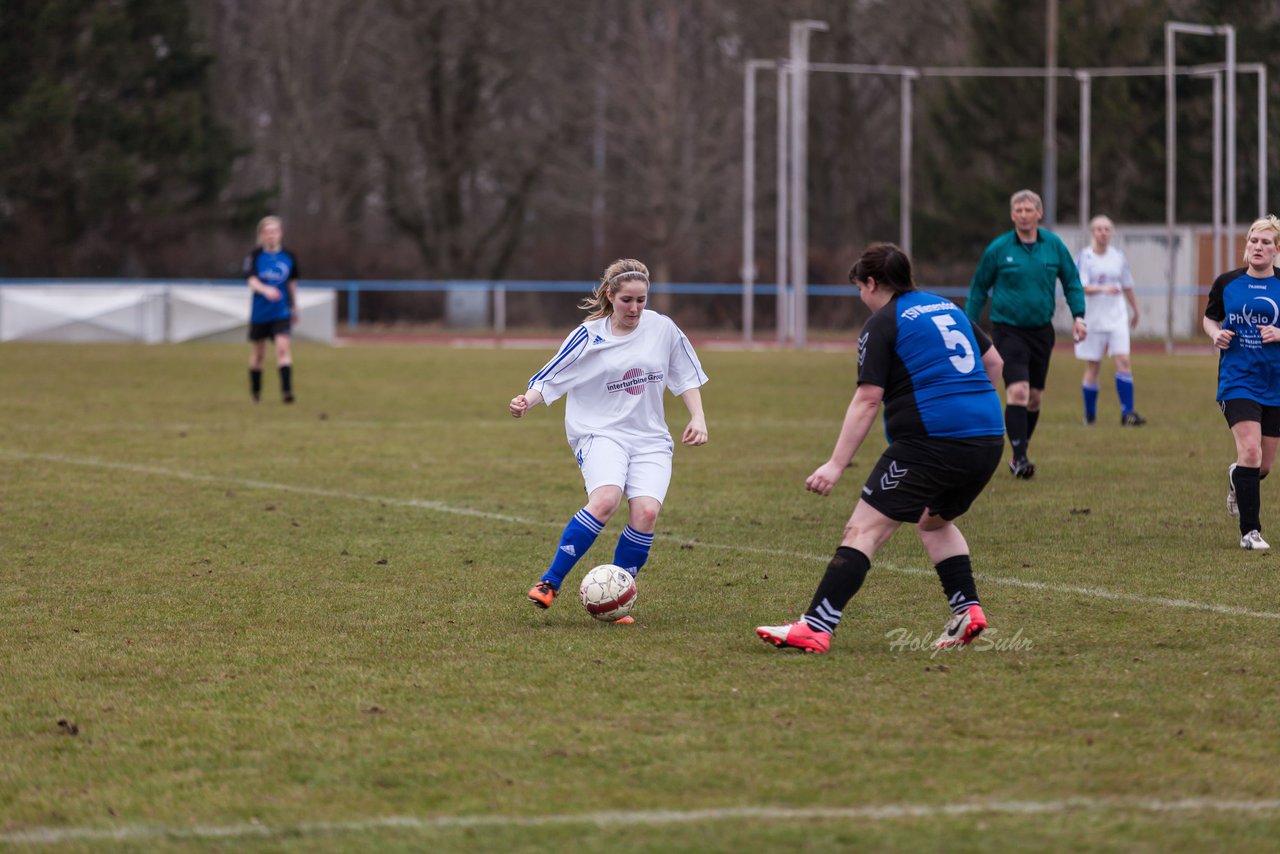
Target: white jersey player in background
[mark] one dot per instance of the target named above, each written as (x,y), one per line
(614,369)
(1111,310)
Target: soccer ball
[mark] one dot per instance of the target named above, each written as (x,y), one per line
(608,592)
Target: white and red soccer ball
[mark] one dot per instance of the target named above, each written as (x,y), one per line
(608,592)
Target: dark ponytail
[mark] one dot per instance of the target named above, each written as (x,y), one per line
(887,264)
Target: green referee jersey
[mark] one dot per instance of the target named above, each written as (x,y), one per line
(1021,279)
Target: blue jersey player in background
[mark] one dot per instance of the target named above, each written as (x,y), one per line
(272,274)
(935,374)
(1242,316)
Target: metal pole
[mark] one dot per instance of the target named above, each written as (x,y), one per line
(1230,33)
(1262,140)
(784,204)
(904,165)
(1217,173)
(749,196)
(1170,165)
(499,308)
(800,31)
(1171,157)
(1086,131)
(1049,179)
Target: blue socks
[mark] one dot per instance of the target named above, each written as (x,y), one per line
(578,536)
(1124,390)
(1090,402)
(633,550)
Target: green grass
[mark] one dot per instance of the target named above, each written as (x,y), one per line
(287,615)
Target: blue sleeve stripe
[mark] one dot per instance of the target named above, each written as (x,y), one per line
(577,339)
(687,348)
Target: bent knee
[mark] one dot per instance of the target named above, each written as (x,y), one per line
(603,503)
(644,514)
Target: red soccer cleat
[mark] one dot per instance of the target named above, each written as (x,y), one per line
(796,635)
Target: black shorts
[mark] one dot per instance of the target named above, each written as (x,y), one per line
(1025,352)
(944,476)
(270,329)
(1239,409)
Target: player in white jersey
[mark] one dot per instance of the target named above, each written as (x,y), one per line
(1111,310)
(613,369)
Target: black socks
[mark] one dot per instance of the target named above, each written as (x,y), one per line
(286,382)
(956,575)
(845,574)
(1016,424)
(1248,497)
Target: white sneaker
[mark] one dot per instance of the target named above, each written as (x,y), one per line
(1253,540)
(1233,509)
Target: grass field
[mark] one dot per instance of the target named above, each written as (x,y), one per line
(304,628)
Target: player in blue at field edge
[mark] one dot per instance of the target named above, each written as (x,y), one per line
(272,274)
(613,369)
(1242,317)
(935,374)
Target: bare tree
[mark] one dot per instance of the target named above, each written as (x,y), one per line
(673,118)
(461,114)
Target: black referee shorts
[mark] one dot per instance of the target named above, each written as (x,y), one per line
(1025,352)
(944,476)
(270,329)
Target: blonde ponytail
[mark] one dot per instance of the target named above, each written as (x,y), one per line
(623,270)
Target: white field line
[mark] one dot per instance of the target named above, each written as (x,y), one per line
(633,818)
(441,507)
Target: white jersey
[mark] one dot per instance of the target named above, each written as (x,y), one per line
(615,383)
(1105,312)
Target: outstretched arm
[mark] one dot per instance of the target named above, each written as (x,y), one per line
(521,403)
(696,432)
(258,286)
(857,422)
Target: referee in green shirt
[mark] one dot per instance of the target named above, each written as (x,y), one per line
(1018,274)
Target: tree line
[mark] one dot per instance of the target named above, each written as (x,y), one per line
(527,139)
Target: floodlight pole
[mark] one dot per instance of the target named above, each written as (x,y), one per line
(800,32)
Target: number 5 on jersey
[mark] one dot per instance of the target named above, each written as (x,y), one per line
(955,339)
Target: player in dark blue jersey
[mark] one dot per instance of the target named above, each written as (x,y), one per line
(272,274)
(1242,317)
(935,374)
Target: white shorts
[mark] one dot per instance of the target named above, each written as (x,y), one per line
(1101,342)
(604,462)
